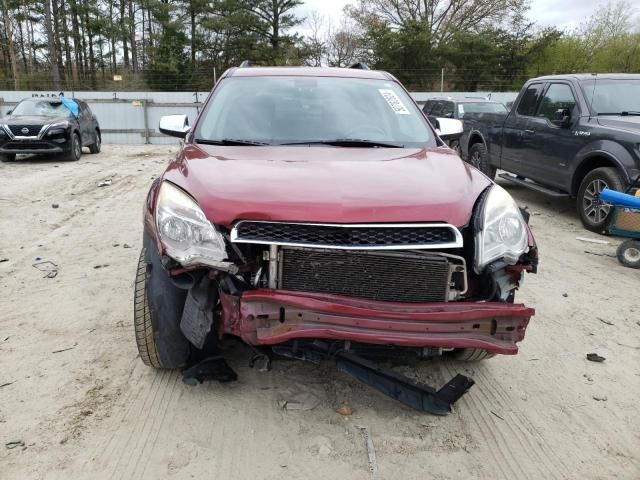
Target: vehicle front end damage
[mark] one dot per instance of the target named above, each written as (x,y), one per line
(368,290)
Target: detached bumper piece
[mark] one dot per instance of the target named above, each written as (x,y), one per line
(403,389)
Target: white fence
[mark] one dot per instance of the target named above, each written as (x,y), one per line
(132,117)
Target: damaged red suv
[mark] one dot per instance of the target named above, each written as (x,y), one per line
(318,206)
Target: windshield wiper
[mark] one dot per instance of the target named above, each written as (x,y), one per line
(624,114)
(231,141)
(349,142)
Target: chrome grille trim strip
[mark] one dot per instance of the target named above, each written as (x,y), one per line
(457,243)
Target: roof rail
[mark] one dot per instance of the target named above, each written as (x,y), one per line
(359,66)
(245,64)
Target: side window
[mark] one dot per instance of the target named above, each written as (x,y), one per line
(435,112)
(447,110)
(529,100)
(428,106)
(559,96)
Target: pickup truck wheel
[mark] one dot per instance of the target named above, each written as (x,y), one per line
(593,211)
(158,306)
(471,354)
(479,158)
(9,157)
(455,146)
(629,253)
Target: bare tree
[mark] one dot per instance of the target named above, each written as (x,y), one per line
(316,23)
(51,43)
(442,17)
(8,30)
(343,44)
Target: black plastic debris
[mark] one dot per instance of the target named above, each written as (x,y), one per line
(594,357)
(208,370)
(404,389)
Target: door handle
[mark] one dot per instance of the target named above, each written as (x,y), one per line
(529,131)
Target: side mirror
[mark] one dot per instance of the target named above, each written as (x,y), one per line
(562,117)
(449,128)
(9,112)
(174,125)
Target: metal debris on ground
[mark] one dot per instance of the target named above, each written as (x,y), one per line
(607,322)
(302,401)
(105,183)
(2,260)
(600,254)
(371,452)
(104,265)
(496,415)
(65,349)
(126,245)
(599,398)
(50,269)
(54,205)
(7,384)
(593,240)
(594,357)
(13,444)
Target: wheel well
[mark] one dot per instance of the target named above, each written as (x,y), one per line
(475,138)
(585,167)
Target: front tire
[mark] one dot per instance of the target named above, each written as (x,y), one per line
(629,253)
(592,211)
(75,149)
(158,307)
(479,158)
(471,354)
(9,157)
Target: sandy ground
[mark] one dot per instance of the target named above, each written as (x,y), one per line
(86,407)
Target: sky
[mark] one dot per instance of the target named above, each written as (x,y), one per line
(563,14)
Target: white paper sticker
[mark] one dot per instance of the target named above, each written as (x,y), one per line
(394,102)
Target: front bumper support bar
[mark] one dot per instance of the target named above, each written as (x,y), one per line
(403,389)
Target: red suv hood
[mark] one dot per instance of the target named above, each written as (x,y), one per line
(328,184)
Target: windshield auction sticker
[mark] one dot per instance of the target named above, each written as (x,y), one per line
(394,102)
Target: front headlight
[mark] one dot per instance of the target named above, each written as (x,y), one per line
(502,232)
(58,128)
(187,235)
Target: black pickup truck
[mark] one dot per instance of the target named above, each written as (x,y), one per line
(566,135)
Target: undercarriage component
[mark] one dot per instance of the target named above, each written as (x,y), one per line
(210,369)
(403,389)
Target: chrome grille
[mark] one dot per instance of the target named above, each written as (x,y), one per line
(34,130)
(353,236)
(383,276)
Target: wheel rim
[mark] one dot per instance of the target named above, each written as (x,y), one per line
(76,147)
(593,207)
(632,255)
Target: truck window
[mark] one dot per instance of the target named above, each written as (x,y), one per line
(447,110)
(529,100)
(428,106)
(437,109)
(558,96)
